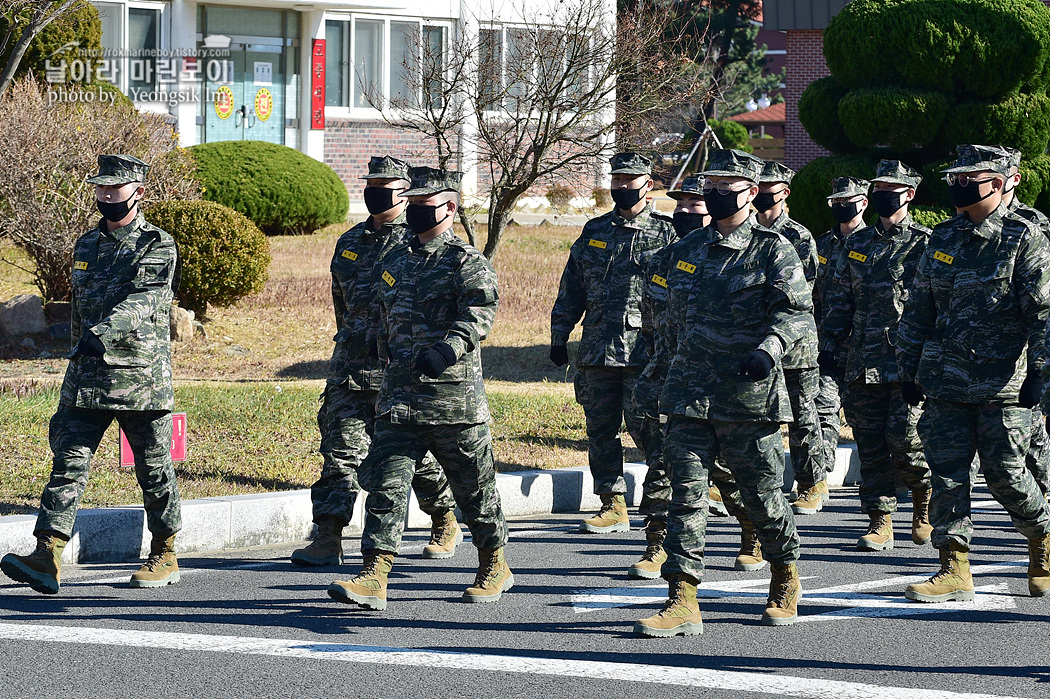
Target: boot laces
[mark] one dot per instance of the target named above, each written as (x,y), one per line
(652,552)
(876,525)
(749,544)
(779,595)
(608,507)
(674,596)
(486,571)
(441,531)
(154,562)
(947,569)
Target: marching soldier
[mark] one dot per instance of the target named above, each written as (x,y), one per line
(347,416)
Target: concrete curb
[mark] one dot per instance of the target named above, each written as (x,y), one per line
(115,534)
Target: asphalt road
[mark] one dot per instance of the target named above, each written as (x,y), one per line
(248,624)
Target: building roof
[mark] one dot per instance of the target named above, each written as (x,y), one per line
(773,114)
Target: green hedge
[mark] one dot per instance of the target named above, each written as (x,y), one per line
(731,134)
(897,117)
(283,191)
(818,110)
(930,216)
(1021,121)
(224,255)
(812,185)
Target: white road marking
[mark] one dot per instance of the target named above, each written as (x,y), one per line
(761,682)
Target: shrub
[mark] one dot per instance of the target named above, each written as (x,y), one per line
(559,196)
(1034,188)
(280,189)
(930,216)
(896,117)
(818,110)
(812,185)
(1021,121)
(224,255)
(80,24)
(602,199)
(856,41)
(731,134)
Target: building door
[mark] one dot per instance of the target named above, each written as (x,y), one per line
(246,97)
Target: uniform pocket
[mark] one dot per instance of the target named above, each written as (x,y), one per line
(454,374)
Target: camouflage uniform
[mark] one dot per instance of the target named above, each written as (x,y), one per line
(979,296)
(726,297)
(863,307)
(347,416)
(442,291)
(602,284)
(123,282)
(800,363)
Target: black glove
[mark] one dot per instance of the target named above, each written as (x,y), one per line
(434,361)
(1031,390)
(826,361)
(756,365)
(90,345)
(912,394)
(559,355)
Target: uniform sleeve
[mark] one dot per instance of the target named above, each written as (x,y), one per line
(477,298)
(153,274)
(654,298)
(917,323)
(807,253)
(839,304)
(1032,285)
(571,302)
(338,303)
(788,300)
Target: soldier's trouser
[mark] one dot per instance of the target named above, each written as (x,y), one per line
(75,434)
(1038,457)
(656,488)
(952,433)
(346,421)
(606,396)
(828,403)
(754,454)
(464,452)
(804,434)
(884,428)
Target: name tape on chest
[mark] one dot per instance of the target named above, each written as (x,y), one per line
(659,281)
(600,244)
(685,266)
(942,257)
(859,257)
(352,256)
(823,260)
(388,278)
(80,264)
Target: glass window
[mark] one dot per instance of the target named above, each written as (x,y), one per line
(405,54)
(368,60)
(142,45)
(334,63)
(434,62)
(241,21)
(491,64)
(112,17)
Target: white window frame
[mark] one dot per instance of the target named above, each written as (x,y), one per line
(163,35)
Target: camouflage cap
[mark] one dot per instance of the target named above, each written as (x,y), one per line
(1015,156)
(119,169)
(630,164)
(896,172)
(386,168)
(773,171)
(430,180)
(848,187)
(733,163)
(974,158)
(691,186)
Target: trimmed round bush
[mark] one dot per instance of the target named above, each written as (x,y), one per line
(818,110)
(731,134)
(896,117)
(811,186)
(930,216)
(1021,121)
(283,191)
(224,255)
(857,44)
(1034,188)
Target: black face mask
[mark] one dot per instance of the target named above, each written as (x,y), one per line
(421,218)
(764,201)
(845,212)
(686,221)
(961,197)
(887,203)
(722,206)
(115,210)
(626,198)
(380,199)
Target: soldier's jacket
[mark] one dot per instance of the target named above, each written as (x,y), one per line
(1031,214)
(804,354)
(873,276)
(443,291)
(727,297)
(829,247)
(355,273)
(122,293)
(979,296)
(602,283)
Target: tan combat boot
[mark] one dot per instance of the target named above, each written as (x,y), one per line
(921,529)
(715,505)
(879,536)
(811,498)
(680,616)
(951,583)
(42,569)
(161,568)
(327,547)
(1039,566)
(750,556)
(493,578)
(445,535)
(654,556)
(612,517)
(785,590)
(368,589)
